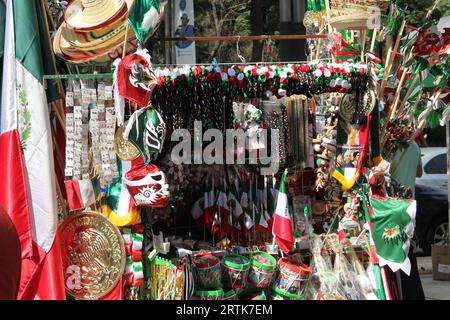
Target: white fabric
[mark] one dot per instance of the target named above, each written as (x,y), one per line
(9,114)
(87,192)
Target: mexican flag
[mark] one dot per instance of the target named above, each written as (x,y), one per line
(282,224)
(27,176)
(222,204)
(120,207)
(247,221)
(144,18)
(392,224)
(269,200)
(235,207)
(197,207)
(209,208)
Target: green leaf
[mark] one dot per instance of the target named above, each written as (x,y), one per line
(422,64)
(436,15)
(22,97)
(433,119)
(27,115)
(26,133)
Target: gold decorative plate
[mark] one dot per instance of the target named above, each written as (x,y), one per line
(93,255)
(125,150)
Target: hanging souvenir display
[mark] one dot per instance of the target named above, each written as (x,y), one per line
(146,130)
(90,112)
(135,78)
(147,184)
(134,274)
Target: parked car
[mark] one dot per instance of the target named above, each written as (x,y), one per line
(434,162)
(431,217)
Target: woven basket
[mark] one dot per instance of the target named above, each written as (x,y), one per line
(356,14)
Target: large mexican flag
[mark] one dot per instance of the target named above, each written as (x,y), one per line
(27,182)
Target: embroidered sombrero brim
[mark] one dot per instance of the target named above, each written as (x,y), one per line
(86,15)
(98,39)
(63,50)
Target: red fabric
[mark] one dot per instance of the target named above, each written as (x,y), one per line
(136,255)
(282,228)
(116,293)
(10,260)
(39,275)
(73,193)
(13,186)
(44,275)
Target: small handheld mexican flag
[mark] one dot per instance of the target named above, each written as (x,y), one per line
(144,18)
(282,224)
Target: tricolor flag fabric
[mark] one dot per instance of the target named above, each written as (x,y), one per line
(270,200)
(80,193)
(223,207)
(351,153)
(209,208)
(392,224)
(144,18)
(235,207)
(282,222)
(27,178)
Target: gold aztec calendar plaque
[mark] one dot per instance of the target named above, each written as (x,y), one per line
(93,255)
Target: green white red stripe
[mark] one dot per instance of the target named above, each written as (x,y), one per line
(27,180)
(282,224)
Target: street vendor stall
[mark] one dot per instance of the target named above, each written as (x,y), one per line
(262,181)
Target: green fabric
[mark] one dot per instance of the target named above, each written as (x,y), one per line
(2,27)
(114,190)
(389,219)
(2,44)
(51,86)
(33,48)
(27,37)
(403,170)
(141,19)
(147,133)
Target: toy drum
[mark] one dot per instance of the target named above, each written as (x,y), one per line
(262,269)
(235,270)
(207,271)
(253,294)
(292,276)
(208,294)
(277,294)
(229,295)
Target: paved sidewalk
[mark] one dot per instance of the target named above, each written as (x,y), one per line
(434,290)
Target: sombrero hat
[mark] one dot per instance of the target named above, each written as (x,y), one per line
(86,15)
(98,54)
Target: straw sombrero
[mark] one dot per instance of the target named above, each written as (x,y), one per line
(86,15)
(101,50)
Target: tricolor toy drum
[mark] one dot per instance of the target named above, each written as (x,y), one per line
(277,294)
(252,294)
(207,271)
(292,276)
(208,294)
(261,270)
(235,271)
(229,295)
